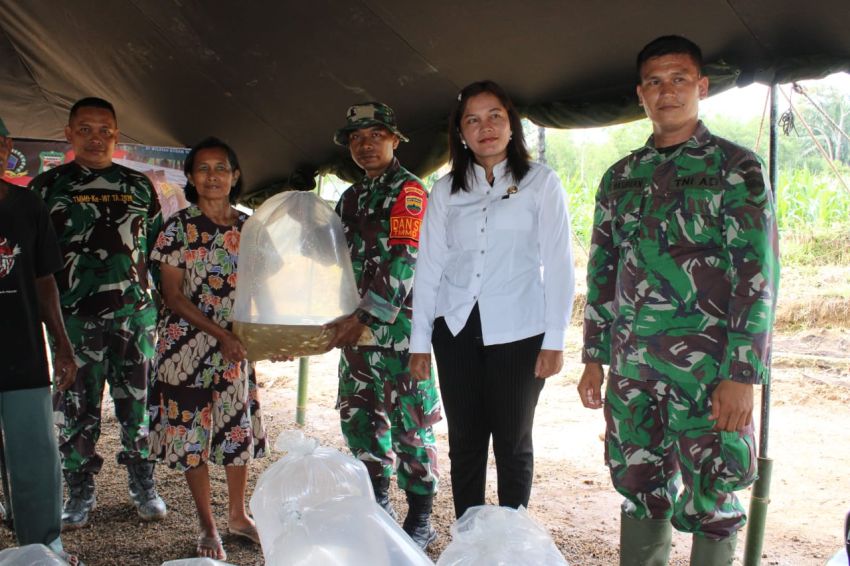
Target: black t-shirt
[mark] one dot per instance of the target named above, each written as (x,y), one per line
(28,250)
(670,149)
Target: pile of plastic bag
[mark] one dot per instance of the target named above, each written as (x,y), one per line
(30,555)
(316,506)
(295,275)
(499,536)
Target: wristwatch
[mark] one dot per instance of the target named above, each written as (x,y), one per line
(364,317)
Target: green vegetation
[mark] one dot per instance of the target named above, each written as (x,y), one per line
(814,218)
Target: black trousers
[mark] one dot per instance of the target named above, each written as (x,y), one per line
(488,391)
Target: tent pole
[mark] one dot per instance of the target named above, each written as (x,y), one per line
(304,363)
(761,490)
(303,378)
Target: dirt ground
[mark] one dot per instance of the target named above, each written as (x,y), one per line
(572,496)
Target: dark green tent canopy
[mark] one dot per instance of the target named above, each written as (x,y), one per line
(275,78)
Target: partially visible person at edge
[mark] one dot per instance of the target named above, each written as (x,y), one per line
(205,404)
(681,290)
(106,217)
(29,255)
(493,294)
(386,415)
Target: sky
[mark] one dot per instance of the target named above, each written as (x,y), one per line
(744,103)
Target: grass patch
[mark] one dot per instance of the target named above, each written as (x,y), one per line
(818,247)
(814,312)
(813,296)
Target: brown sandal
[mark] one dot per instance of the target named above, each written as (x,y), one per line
(248,533)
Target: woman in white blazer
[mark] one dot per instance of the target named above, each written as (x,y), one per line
(493,294)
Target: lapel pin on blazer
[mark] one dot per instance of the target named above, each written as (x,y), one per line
(512,190)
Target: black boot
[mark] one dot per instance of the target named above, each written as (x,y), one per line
(80,502)
(149,505)
(417,524)
(381,487)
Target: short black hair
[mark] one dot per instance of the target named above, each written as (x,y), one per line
(669,45)
(92,102)
(462,159)
(211,142)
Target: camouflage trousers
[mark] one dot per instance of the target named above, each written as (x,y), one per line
(118,352)
(669,463)
(386,417)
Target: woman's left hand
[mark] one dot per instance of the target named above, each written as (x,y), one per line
(231,348)
(549,363)
(346,331)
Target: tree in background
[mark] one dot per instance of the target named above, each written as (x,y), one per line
(830,130)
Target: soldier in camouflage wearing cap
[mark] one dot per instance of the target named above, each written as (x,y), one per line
(386,414)
(106,217)
(682,282)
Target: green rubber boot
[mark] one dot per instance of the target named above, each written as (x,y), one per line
(644,542)
(711,552)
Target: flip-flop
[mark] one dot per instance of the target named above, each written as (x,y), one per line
(213,544)
(249,533)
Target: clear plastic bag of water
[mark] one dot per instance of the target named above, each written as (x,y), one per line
(295,275)
(30,555)
(315,505)
(488,535)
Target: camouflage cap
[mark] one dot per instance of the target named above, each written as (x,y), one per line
(367,115)
(4,131)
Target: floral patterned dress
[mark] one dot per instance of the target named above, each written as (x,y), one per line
(203,408)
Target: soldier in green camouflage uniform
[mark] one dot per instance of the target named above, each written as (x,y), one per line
(107,217)
(682,281)
(386,414)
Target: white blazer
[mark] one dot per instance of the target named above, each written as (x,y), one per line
(506,247)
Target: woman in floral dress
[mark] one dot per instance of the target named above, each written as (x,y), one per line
(204,404)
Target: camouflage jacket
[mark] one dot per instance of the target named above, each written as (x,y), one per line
(381,218)
(107,222)
(684,265)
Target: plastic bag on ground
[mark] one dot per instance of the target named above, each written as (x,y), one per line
(489,535)
(350,531)
(30,555)
(294,276)
(315,505)
(196,562)
(306,476)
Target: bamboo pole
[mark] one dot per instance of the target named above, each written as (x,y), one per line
(303,379)
(761,490)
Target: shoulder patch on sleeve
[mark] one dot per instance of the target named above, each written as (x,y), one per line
(406,214)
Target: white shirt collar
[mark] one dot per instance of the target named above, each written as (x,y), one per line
(498,172)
